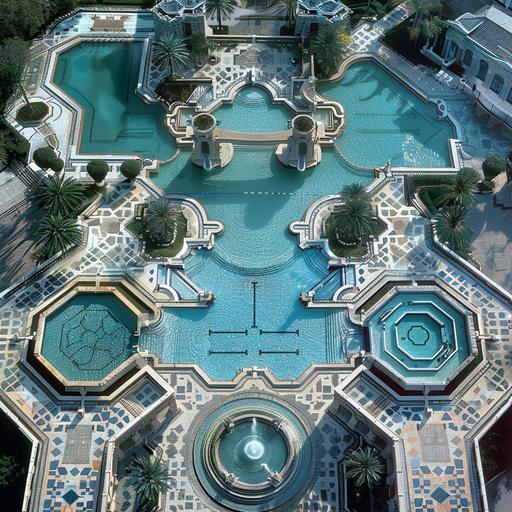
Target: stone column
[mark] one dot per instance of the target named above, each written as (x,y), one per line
(302,150)
(208,152)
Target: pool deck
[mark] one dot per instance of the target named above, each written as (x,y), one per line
(433,450)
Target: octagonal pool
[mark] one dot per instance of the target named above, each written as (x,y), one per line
(88,336)
(421,336)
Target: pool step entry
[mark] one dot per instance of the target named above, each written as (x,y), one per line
(302,149)
(208,152)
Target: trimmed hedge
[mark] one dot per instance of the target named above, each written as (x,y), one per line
(97,170)
(131,168)
(493,165)
(57,165)
(44,157)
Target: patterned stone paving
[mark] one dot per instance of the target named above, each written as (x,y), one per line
(439,479)
(193,397)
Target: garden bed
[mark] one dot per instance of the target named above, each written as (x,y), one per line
(357,250)
(36,111)
(156,251)
(170,90)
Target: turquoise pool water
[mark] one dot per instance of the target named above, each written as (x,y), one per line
(89,336)
(102,78)
(256,198)
(386,121)
(252,110)
(419,336)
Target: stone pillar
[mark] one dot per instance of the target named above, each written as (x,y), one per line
(208,152)
(302,150)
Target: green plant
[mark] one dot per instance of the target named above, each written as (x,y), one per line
(450,227)
(44,157)
(461,189)
(58,234)
(131,168)
(354,191)
(364,466)
(220,8)
(57,165)
(8,468)
(291,8)
(203,122)
(97,170)
(60,196)
(151,478)
(34,111)
(304,123)
(160,222)
(170,51)
(328,47)
(492,166)
(199,44)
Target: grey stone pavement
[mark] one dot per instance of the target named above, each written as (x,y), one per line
(492,239)
(18,228)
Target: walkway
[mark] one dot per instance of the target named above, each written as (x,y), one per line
(492,240)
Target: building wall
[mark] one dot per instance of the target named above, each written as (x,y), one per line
(184,25)
(304,22)
(496,67)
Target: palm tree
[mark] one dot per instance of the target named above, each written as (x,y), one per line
(58,234)
(365,466)
(291,7)
(161,221)
(170,51)
(432,28)
(461,189)
(354,191)
(60,196)
(450,227)
(353,222)
(421,8)
(219,8)
(150,479)
(328,47)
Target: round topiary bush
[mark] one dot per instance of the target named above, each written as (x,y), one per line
(97,170)
(36,111)
(492,166)
(204,121)
(303,123)
(44,157)
(131,168)
(57,165)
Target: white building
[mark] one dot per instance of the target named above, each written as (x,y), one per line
(482,44)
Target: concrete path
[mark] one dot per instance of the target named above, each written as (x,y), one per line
(492,240)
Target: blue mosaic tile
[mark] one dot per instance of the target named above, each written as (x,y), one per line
(70,497)
(439,494)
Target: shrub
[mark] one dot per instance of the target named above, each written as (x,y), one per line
(203,122)
(97,170)
(44,157)
(57,165)
(131,168)
(492,166)
(33,112)
(304,123)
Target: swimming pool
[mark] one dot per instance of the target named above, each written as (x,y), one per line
(385,120)
(255,270)
(256,198)
(252,110)
(419,336)
(116,120)
(89,336)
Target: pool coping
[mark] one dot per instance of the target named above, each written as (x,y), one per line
(79,285)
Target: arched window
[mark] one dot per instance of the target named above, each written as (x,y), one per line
(509,97)
(497,84)
(482,70)
(468,58)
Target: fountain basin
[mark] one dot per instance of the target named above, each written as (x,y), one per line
(252,454)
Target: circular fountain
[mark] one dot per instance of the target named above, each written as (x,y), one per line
(253,453)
